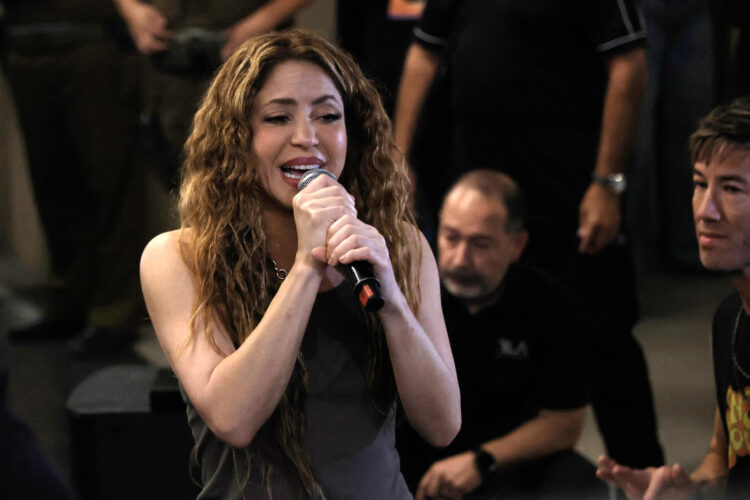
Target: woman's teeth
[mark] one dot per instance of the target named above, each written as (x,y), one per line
(296,171)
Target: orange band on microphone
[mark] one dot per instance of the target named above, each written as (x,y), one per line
(365,294)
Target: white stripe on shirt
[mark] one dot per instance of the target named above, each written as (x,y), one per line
(625,17)
(426,37)
(621,40)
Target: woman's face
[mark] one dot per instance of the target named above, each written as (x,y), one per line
(297,120)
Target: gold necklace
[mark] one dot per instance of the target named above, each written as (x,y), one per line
(733,349)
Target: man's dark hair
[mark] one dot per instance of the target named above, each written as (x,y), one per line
(727,125)
(501,187)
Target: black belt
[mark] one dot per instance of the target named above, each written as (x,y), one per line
(46,37)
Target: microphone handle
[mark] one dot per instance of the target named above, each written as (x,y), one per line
(366,285)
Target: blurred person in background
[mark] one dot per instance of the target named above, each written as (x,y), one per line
(548,93)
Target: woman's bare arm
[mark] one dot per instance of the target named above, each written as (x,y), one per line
(234,391)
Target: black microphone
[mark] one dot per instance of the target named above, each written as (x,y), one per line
(359,273)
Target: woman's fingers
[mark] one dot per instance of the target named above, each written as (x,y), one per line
(317,207)
(352,240)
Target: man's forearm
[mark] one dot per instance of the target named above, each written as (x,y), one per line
(420,67)
(550,432)
(622,107)
(714,465)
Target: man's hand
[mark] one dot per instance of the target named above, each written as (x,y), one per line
(452,477)
(670,483)
(599,218)
(147,27)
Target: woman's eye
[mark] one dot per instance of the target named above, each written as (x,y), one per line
(331,117)
(277,119)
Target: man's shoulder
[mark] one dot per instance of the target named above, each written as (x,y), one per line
(727,308)
(724,323)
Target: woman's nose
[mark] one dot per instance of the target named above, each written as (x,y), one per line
(305,134)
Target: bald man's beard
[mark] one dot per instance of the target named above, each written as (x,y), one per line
(467,285)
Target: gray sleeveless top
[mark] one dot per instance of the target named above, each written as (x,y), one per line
(351,446)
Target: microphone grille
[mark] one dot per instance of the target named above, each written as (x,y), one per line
(311,175)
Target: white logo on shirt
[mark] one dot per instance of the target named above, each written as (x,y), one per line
(507,349)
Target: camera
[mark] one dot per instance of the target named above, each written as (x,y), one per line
(191,51)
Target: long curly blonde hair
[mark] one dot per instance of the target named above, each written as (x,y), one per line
(226,247)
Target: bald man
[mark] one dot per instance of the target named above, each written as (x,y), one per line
(518,355)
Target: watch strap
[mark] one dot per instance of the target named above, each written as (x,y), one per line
(484,461)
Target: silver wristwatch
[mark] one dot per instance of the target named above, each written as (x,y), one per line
(615,182)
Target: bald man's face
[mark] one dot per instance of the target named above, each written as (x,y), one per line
(474,249)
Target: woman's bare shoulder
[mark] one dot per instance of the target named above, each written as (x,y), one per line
(164,246)
(163,256)
(416,242)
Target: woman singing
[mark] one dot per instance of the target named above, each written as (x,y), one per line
(291,387)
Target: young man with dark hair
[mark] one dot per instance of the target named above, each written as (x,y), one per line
(720,152)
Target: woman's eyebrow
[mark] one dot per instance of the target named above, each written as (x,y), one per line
(325,98)
(288,101)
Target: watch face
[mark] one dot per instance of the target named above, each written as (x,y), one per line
(615,182)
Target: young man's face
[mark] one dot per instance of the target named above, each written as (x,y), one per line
(721,210)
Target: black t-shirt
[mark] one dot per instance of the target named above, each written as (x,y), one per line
(519,356)
(525,80)
(376,41)
(731,341)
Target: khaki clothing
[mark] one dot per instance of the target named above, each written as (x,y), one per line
(74,83)
(214,14)
(175,81)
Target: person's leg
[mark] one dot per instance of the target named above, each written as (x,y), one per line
(39,85)
(620,388)
(567,475)
(604,287)
(101,118)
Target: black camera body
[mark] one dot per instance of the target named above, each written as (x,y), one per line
(195,51)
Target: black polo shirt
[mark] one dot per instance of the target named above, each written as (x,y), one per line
(525,82)
(513,359)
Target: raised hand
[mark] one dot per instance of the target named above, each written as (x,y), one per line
(666,482)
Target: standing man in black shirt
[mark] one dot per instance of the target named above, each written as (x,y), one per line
(518,354)
(72,78)
(720,151)
(549,93)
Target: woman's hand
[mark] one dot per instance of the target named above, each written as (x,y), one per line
(316,208)
(350,240)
